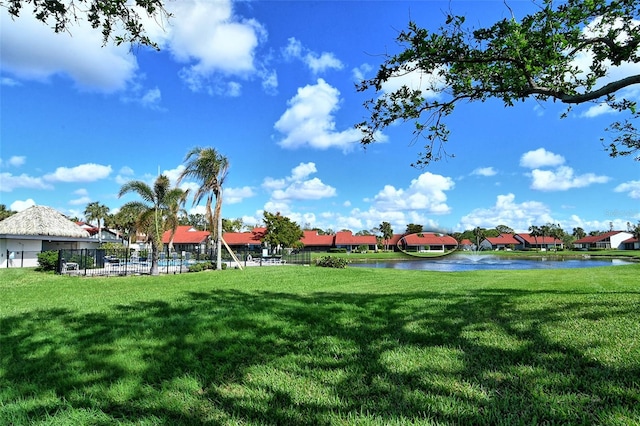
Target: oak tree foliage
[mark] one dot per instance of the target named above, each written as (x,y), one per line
(120,21)
(512,60)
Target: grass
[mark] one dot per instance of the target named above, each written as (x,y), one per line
(314,346)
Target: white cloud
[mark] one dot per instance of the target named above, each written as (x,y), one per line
(484,171)
(20,205)
(83,197)
(302,171)
(212,40)
(430,84)
(317,63)
(80,201)
(360,72)
(297,186)
(125,174)
(596,110)
(207,36)
(14,161)
(594,225)
(309,120)
(9,82)
(89,172)
(540,158)
(32,51)
(427,193)
(9,182)
(312,189)
(562,179)
(518,216)
(151,98)
(632,188)
(237,195)
(585,59)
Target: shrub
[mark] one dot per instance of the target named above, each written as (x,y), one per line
(337,250)
(203,266)
(332,262)
(47,261)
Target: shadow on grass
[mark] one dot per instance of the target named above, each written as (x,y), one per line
(478,357)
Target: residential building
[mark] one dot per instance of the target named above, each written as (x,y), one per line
(529,242)
(501,242)
(607,240)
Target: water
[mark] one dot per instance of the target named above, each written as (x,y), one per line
(480,262)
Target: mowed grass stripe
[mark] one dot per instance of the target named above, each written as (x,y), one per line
(307,345)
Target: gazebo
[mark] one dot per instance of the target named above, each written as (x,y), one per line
(37,229)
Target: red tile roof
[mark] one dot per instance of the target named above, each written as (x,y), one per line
(596,238)
(503,239)
(540,240)
(243,238)
(428,238)
(311,238)
(344,238)
(186,234)
(393,241)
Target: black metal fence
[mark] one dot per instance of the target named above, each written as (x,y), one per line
(101,262)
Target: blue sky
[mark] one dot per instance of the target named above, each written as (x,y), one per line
(271,85)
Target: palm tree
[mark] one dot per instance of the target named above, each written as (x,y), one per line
(175,208)
(210,168)
(480,235)
(127,221)
(535,232)
(154,211)
(98,212)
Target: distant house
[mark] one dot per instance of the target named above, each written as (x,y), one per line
(106,236)
(350,242)
(394,242)
(245,241)
(501,242)
(631,244)
(314,242)
(428,242)
(466,244)
(187,239)
(37,229)
(608,240)
(529,242)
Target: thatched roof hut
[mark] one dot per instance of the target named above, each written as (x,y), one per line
(41,220)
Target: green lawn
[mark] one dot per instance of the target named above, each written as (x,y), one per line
(313,346)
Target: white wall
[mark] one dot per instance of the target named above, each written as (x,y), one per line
(24,253)
(617,239)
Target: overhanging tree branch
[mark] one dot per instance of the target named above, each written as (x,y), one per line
(510,61)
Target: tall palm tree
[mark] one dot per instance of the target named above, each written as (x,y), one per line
(98,212)
(210,168)
(479,234)
(535,231)
(154,211)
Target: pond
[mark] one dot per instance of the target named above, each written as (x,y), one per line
(475,262)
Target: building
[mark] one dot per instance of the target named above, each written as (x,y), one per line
(186,239)
(501,242)
(39,228)
(529,242)
(609,240)
(315,242)
(428,242)
(346,240)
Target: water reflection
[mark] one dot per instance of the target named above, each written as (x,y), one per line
(462,262)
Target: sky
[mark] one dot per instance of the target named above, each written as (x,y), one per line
(271,85)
